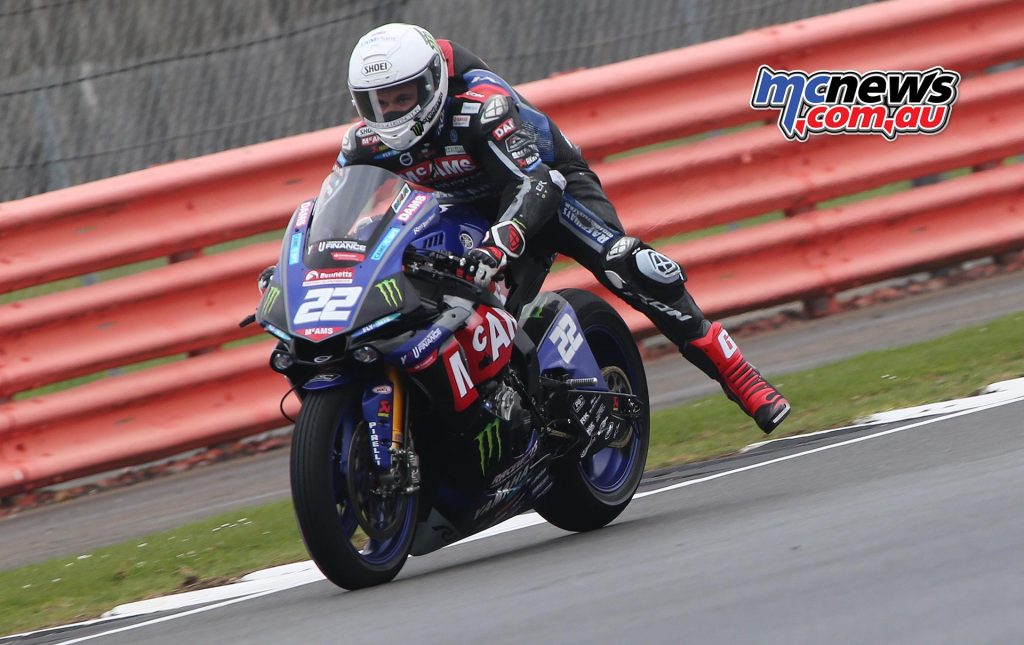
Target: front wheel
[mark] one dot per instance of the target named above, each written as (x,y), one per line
(356,536)
(591,492)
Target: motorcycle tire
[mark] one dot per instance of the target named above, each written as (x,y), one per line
(328,454)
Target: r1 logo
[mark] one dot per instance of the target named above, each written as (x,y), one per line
(327,305)
(566,337)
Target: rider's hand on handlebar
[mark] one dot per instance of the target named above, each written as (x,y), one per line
(489,260)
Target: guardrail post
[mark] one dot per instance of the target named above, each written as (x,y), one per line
(1009,258)
(181,256)
(821,305)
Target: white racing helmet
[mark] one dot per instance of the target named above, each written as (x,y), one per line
(399,80)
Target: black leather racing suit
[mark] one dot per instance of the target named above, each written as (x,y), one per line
(493,148)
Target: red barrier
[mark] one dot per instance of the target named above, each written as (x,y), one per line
(706,87)
(156,212)
(239,192)
(757,171)
(178,308)
(825,251)
(135,418)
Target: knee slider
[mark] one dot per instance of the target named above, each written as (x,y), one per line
(633,266)
(630,259)
(657,268)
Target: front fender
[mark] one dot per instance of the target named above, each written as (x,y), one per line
(328,380)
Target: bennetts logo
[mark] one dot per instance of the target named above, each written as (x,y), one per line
(891,103)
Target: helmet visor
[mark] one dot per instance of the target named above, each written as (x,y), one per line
(399,102)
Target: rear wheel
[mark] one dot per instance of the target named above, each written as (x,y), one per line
(357,536)
(589,493)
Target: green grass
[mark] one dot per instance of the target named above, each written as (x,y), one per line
(834,395)
(660,243)
(693,138)
(880,191)
(201,554)
(89,378)
(231,245)
(129,269)
(81,281)
(212,551)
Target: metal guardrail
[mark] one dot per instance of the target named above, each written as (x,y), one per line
(193,306)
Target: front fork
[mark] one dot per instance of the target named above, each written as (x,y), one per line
(385,408)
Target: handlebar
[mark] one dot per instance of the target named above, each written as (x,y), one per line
(441,265)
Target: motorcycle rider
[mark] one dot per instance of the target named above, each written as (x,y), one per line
(435,113)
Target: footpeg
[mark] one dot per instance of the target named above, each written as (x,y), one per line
(581,382)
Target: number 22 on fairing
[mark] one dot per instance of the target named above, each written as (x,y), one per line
(328,305)
(566,337)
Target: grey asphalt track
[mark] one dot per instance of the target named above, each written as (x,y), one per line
(73,527)
(911,537)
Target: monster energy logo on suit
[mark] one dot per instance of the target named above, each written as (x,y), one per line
(268,302)
(486,442)
(389,289)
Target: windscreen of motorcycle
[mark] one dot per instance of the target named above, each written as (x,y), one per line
(352,210)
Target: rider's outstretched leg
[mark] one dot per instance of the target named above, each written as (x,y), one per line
(587,228)
(655,285)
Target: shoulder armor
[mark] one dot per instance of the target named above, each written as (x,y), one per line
(495,108)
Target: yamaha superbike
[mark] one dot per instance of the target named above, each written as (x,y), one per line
(433,409)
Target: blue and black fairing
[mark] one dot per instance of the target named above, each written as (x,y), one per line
(341,265)
(563,351)
(451,227)
(338,267)
(561,347)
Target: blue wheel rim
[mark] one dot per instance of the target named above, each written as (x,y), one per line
(374,552)
(609,468)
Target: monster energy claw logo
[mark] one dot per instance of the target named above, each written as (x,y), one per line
(271,298)
(392,294)
(486,442)
(417,128)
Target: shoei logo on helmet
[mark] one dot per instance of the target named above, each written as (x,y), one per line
(376,68)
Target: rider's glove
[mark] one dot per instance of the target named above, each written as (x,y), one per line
(490,260)
(505,240)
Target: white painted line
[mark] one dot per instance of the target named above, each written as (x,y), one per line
(795,437)
(290,575)
(1001,391)
(275,579)
(518,522)
(162,619)
(992,393)
(883,433)
(272,579)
